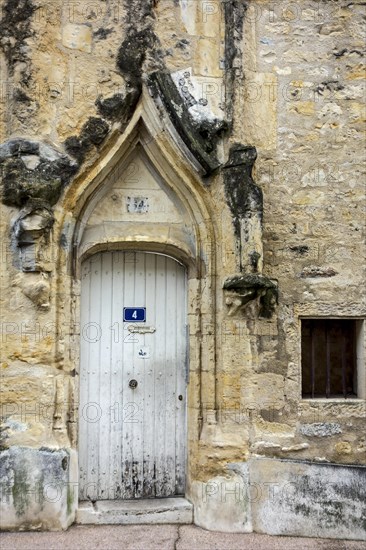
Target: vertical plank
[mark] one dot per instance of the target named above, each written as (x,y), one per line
(128,406)
(136,394)
(105,374)
(344,365)
(84,379)
(91,411)
(149,410)
(312,340)
(160,375)
(173,368)
(327,338)
(116,416)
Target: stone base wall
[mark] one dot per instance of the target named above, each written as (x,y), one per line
(39,491)
(38,488)
(285,497)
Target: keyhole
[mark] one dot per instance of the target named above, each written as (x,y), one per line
(180,397)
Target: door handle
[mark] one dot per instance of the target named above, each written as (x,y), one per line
(133,384)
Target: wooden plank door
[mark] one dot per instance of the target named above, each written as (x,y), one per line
(132,410)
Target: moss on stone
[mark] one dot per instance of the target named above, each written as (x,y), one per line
(119,107)
(21,184)
(43,182)
(94,131)
(242,194)
(92,134)
(69,499)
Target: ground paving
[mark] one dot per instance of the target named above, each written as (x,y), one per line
(162,537)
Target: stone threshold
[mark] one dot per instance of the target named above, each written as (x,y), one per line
(130,512)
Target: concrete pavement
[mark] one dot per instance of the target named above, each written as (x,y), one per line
(161,537)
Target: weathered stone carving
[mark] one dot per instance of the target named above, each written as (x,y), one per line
(33,177)
(118,106)
(246,288)
(31,231)
(245,200)
(303,111)
(37,289)
(141,58)
(209,126)
(140,43)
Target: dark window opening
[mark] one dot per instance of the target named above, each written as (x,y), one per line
(328,358)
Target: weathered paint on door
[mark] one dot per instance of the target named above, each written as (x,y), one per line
(132,410)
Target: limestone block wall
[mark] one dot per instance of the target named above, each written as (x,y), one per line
(304,80)
(285,78)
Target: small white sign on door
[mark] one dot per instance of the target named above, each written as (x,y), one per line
(144,352)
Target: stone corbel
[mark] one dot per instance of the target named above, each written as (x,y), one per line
(242,290)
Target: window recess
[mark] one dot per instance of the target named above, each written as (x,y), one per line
(330,357)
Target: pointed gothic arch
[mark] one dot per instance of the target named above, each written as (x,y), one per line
(151,139)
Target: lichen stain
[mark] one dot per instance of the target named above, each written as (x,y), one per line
(15,28)
(20,490)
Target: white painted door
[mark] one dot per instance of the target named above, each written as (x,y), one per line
(132,410)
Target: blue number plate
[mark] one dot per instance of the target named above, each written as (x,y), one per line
(134,314)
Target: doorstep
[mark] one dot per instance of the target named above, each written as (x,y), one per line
(130,512)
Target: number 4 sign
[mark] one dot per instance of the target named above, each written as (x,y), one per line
(135,314)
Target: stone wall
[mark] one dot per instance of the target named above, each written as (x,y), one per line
(287,497)
(302,98)
(255,111)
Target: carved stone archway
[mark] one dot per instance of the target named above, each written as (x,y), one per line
(150,140)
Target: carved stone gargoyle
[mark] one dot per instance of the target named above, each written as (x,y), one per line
(246,288)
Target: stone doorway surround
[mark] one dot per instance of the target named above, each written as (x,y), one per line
(146,141)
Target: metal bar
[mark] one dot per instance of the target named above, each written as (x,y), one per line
(327,389)
(312,362)
(344,365)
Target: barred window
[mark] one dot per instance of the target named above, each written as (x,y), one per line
(329,357)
